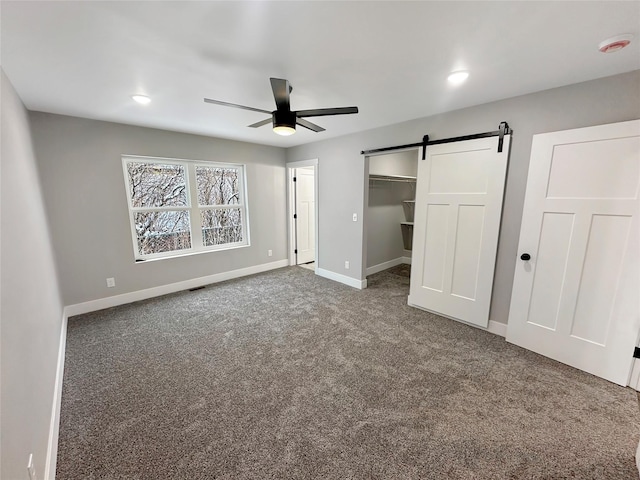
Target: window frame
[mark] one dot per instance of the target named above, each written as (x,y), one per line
(193,207)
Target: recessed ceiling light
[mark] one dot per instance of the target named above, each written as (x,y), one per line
(141,99)
(614,44)
(456,78)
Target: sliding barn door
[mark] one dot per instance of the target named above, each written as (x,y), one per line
(457,220)
(576,286)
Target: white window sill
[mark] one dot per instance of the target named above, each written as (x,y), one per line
(189,254)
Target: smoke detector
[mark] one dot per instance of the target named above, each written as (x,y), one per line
(614,44)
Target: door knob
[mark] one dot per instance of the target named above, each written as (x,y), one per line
(525,257)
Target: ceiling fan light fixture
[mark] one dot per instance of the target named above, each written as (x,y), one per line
(284,122)
(284,130)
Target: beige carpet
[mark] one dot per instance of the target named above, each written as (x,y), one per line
(287,375)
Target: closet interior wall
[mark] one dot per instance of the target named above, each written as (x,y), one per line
(392,183)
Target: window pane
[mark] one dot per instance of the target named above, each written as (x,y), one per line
(218,186)
(164,231)
(221,225)
(157,185)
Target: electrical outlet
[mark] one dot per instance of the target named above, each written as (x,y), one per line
(270,253)
(346,264)
(31,469)
(355,217)
(111,282)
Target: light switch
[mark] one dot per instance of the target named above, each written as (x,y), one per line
(355,217)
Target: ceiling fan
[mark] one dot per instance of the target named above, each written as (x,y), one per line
(283,119)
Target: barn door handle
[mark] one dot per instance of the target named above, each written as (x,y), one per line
(525,257)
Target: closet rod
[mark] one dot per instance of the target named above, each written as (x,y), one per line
(503,130)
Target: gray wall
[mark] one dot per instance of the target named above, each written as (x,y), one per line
(31,311)
(82,178)
(384,214)
(342,183)
(403,163)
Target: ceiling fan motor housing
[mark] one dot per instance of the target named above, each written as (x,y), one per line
(284,118)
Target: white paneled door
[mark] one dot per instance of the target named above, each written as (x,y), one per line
(456,224)
(576,285)
(305,215)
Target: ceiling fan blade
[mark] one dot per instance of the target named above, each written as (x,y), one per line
(309,125)
(235,105)
(260,123)
(321,112)
(281,90)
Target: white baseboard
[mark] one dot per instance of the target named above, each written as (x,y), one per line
(497,328)
(384,265)
(337,277)
(54,426)
(107,302)
(391,263)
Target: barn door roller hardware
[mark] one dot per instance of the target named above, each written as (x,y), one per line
(503,129)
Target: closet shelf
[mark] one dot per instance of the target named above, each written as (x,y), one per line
(392,178)
(406,223)
(408,201)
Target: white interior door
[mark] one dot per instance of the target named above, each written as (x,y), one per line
(576,299)
(456,224)
(305,215)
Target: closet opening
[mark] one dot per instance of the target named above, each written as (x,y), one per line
(390,211)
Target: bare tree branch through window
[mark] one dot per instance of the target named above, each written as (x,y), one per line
(219,186)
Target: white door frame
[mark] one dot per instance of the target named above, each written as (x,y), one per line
(291,208)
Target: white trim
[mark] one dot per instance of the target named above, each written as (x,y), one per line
(54,426)
(391,263)
(497,328)
(634,379)
(290,209)
(337,277)
(638,458)
(384,265)
(227,246)
(107,302)
(290,166)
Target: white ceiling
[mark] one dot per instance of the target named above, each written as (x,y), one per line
(391,58)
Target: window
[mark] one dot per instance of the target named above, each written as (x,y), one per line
(178,207)
(219,202)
